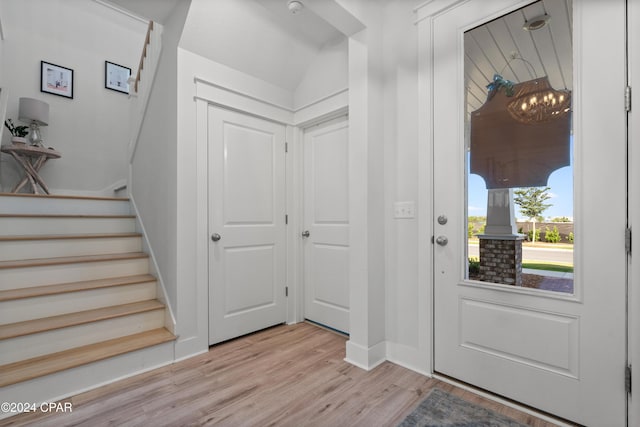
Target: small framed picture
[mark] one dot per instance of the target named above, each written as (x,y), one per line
(56,80)
(116,77)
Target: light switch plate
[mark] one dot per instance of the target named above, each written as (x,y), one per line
(404,210)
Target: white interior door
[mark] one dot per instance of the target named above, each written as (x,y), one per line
(561,353)
(247,253)
(326,224)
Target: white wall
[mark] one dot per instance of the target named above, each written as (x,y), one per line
(326,74)
(153,167)
(407,303)
(90,130)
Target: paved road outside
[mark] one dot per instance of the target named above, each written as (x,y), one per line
(536,254)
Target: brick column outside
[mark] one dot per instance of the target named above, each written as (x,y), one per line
(501,259)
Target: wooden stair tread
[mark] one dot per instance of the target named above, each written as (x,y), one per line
(74,216)
(25,370)
(67,236)
(78,318)
(40,262)
(62,288)
(63,196)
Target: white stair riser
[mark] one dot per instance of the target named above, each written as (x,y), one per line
(34,345)
(18,278)
(54,305)
(44,205)
(30,226)
(54,387)
(50,248)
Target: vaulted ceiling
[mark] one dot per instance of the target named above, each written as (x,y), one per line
(258,37)
(263,38)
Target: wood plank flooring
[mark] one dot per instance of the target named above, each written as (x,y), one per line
(283,376)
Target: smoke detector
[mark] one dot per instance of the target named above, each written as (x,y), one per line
(294,6)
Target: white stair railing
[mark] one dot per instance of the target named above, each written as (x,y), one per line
(140,85)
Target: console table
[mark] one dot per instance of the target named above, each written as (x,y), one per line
(31,158)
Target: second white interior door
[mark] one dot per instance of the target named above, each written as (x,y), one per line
(247,248)
(326,219)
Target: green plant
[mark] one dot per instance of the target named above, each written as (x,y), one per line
(532,203)
(560,219)
(530,235)
(570,237)
(474,266)
(552,236)
(20,131)
(470,230)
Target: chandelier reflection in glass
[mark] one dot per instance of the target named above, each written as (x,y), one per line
(535,101)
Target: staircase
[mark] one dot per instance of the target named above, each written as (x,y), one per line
(78,306)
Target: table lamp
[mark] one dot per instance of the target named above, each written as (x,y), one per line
(36,113)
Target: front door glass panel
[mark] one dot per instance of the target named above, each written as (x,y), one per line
(519,150)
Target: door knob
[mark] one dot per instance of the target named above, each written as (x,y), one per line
(306,233)
(442,240)
(215,237)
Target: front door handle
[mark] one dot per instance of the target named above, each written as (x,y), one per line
(442,240)
(215,237)
(306,233)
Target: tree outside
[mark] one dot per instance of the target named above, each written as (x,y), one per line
(532,203)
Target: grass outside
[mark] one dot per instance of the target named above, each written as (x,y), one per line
(548,266)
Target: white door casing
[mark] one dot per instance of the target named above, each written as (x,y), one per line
(563,354)
(326,218)
(247,260)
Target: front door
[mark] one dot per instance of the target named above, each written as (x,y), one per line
(247,253)
(561,352)
(326,223)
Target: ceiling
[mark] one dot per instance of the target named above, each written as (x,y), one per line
(261,38)
(490,48)
(155,10)
(264,39)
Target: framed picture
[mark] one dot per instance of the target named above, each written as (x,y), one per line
(116,77)
(56,80)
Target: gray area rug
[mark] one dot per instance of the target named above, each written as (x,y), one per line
(441,409)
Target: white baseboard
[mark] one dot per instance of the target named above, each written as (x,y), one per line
(366,358)
(409,357)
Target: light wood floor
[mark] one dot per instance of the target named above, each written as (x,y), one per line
(283,376)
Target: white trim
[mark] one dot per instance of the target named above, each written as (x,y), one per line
(425,186)
(293,184)
(633,37)
(324,98)
(170,320)
(122,11)
(408,357)
(366,358)
(321,109)
(432,8)
(197,80)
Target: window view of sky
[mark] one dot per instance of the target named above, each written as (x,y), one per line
(560,181)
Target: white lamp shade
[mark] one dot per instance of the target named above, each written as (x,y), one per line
(33,111)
